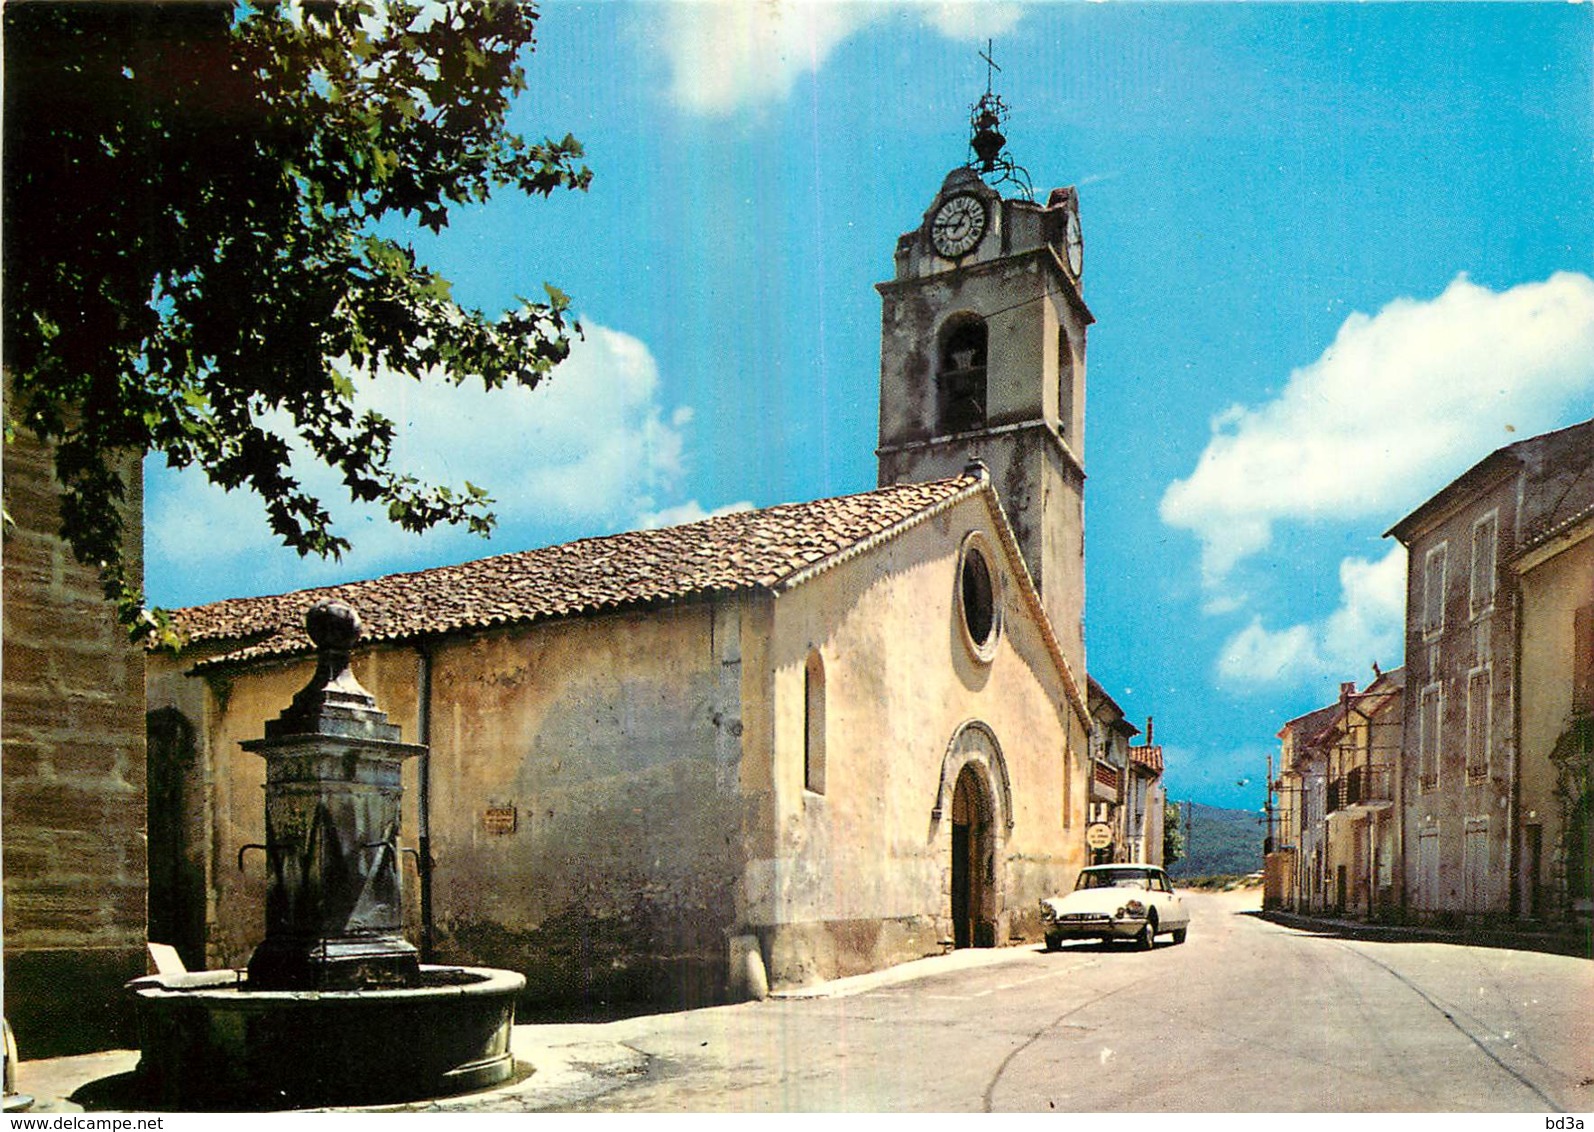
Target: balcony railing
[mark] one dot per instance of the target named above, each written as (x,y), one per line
(1361,788)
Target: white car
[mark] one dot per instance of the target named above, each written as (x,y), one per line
(1116,902)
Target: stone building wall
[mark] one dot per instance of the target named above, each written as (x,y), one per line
(1557,582)
(73,816)
(584,812)
(1456,814)
(858,876)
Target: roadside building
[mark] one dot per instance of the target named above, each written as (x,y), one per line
(73,819)
(1147,797)
(1110,785)
(1294,864)
(1469,851)
(813,740)
(1362,846)
(836,735)
(1554,568)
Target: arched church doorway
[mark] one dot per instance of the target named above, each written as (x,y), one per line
(973,862)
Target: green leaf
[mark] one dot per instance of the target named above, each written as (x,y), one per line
(209,275)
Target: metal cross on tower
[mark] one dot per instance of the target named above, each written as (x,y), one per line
(986,138)
(990,65)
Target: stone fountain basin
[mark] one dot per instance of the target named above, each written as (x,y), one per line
(207,1041)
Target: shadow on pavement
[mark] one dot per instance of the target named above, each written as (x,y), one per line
(119,1092)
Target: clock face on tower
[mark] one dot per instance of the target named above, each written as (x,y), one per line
(958,225)
(1075,244)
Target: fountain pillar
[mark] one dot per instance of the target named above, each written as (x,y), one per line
(334,783)
(335,1008)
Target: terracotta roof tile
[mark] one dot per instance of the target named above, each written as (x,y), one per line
(1148,756)
(739,551)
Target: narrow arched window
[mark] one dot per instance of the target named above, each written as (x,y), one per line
(814,724)
(1065,384)
(960,378)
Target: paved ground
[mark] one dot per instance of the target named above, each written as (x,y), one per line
(1249,1015)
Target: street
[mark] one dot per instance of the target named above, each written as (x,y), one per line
(1246,1016)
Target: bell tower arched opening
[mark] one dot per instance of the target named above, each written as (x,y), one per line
(960,375)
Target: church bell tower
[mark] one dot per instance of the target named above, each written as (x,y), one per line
(982,356)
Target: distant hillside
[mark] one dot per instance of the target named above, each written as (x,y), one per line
(1220,841)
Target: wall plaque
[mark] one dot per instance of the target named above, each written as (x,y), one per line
(499,820)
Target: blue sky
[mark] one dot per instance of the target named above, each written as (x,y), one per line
(1336,255)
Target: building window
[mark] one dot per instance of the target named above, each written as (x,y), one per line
(1433,591)
(814,724)
(960,380)
(1483,557)
(1475,865)
(1065,384)
(1480,686)
(1428,869)
(1429,715)
(977,603)
(1583,659)
(1068,787)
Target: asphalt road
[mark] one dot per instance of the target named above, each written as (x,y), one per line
(1246,1016)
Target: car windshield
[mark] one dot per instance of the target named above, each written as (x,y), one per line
(1113,878)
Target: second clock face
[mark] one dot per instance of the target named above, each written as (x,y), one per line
(958,225)
(1075,244)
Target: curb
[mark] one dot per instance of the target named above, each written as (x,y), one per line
(1575,942)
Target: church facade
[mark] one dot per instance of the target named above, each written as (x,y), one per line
(762,749)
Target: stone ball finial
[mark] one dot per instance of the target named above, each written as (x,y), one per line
(333,625)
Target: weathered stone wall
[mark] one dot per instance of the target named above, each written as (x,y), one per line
(74,785)
(1556,583)
(584,811)
(1457,808)
(610,749)
(859,876)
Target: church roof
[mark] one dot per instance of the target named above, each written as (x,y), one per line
(773,549)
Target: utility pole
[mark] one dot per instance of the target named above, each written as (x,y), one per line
(1268,843)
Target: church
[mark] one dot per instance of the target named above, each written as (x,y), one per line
(759,750)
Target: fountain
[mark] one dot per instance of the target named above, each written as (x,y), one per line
(335,1006)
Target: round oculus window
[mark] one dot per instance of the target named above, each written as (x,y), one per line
(977,599)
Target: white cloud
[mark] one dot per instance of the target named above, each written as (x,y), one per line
(689,512)
(726,54)
(1219,604)
(1368,626)
(1402,402)
(975,21)
(593,447)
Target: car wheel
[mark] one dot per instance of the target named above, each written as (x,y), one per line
(1053,942)
(1147,939)
(1179,934)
